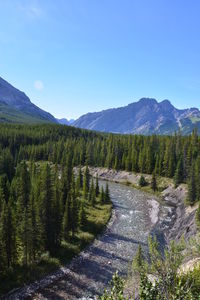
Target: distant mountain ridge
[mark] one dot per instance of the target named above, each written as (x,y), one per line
(147,116)
(16,107)
(64,121)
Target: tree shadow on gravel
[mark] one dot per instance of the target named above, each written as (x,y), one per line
(110,255)
(79,281)
(113,237)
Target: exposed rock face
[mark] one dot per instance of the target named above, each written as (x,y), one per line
(184,223)
(172,218)
(146,116)
(17,101)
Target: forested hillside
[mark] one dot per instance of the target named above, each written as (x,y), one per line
(43,207)
(171,156)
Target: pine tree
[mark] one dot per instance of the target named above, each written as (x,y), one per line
(138,259)
(5,186)
(2,199)
(86,182)
(102,196)
(57,211)
(107,193)
(8,235)
(178,177)
(65,183)
(142,181)
(192,186)
(80,179)
(34,236)
(154,182)
(92,196)
(74,211)
(97,186)
(82,216)
(45,207)
(66,224)
(23,194)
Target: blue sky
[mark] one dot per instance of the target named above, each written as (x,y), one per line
(72,57)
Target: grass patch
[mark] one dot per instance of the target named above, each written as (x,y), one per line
(97,218)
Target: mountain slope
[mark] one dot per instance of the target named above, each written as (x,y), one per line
(146,116)
(15,106)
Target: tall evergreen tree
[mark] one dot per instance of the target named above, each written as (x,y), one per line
(107,193)
(178,177)
(82,216)
(23,194)
(80,179)
(192,192)
(97,186)
(74,210)
(8,235)
(67,218)
(154,182)
(86,182)
(34,236)
(102,195)
(46,207)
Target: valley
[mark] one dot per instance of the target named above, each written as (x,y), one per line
(52,208)
(89,273)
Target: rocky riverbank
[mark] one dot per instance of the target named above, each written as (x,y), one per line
(173,218)
(135,215)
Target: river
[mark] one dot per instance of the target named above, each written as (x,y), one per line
(89,273)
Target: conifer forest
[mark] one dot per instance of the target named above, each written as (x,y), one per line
(44,206)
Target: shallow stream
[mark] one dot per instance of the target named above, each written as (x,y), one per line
(89,274)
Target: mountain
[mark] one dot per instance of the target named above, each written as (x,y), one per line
(147,116)
(16,107)
(64,121)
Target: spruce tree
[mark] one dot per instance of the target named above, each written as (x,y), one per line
(107,193)
(65,183)
(57,213)
(142,181)
(23,195)
(80,179)
(5,186)
(34,238)
(46,207)
(178,177)
(86,182)
(92,195)
(192,186)
(8,235)
(74,211)
(97,186)
(66,224)
(154,182)
(82,216)
(102,196)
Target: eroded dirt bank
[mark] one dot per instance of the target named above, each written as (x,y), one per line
(172,217)
(135,215)
(89,273)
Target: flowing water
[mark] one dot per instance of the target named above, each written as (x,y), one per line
(88,275)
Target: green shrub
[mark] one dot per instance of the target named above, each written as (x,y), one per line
(142,181)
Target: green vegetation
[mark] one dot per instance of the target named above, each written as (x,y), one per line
(45,220)
(142,181)
(159,276)
(9,114)
(47,215)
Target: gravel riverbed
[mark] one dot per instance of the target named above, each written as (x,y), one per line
(89,274)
